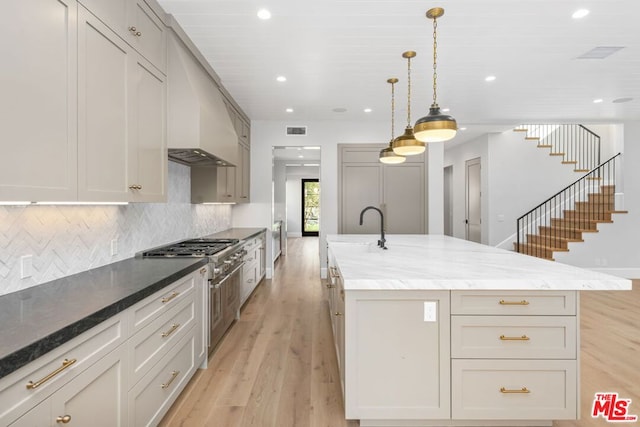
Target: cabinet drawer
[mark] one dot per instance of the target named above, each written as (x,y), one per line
(558,303)
(513,337)
(151,398)
(153,306)
(514,389)
(149,344)
(49,372)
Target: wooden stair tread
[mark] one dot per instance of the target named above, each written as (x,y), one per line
(552,237)
(556,154)
(592,178)
(569,162)
(544,146)
(520,130)
(532,138)
(618,212)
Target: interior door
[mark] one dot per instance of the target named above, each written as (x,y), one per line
(448,201)
(473,198)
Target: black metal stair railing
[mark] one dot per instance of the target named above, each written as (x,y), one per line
(574,142)
(565,216)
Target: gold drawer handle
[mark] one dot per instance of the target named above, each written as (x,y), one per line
(333,272)
(523,302)
(337,313)
(65,364)
(170,297)
(330,285)
(170,331)
(203,270)
(522,338)
(174,374)
(523,390)
(64,419)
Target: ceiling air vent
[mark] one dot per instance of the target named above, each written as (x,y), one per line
(297,130)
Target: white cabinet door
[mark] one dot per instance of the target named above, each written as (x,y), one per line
(147,155)
(103,139)
(397,362)
(36,417)
(38,103)
(96,397)
(404,202)
(243,174)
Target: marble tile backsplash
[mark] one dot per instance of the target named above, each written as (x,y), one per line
(64,240)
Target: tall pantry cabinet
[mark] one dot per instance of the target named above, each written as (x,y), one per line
(398,190)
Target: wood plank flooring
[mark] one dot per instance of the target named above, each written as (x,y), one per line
(277,366)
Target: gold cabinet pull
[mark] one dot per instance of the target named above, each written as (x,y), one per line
(174,374)
(203,270)
(64,419)
(135,31)
(330,285)
(170,331)
(65,364)
(522,338)
(523,390)
(333,272)
(337,313)
(170,297)
(523,302)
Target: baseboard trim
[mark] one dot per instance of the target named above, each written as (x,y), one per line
(627,273)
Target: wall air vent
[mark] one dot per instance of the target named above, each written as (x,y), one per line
(296,130)
(600,52)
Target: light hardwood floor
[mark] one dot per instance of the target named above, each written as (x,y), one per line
(277,366)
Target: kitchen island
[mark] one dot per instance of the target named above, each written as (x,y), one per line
(437,331)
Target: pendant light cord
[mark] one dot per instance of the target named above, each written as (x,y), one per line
(393,109)
(409,92)
(435,57)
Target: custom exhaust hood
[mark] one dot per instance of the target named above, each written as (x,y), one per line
(199,128)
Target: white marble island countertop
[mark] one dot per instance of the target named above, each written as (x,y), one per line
(431,262)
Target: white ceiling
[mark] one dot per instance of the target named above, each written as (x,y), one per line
(339,54)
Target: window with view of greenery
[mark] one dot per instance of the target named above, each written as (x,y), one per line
(310,207)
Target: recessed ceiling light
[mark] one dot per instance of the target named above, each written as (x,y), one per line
(301,156)
(339,110)
(264,14)
(597,101)
(368,110)
(445,110)
(281,79)
(489,78)
(311,147)
(622,100)
(462,128)
(289,110)
(580,13)
(311,164)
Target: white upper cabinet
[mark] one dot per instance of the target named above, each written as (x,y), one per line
(136,24)
(121,126)
(38,102)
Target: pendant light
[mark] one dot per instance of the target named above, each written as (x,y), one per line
(406,144)
(386,154)
(435,126)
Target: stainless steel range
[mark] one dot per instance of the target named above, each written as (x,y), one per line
(225,264)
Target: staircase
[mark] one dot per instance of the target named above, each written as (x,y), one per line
(565,217)
(573,143)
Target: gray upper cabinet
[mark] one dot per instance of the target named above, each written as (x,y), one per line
(38,102)
(398,190)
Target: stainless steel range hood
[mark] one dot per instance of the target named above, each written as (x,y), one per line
(199,128)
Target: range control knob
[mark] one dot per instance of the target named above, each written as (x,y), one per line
(216,271)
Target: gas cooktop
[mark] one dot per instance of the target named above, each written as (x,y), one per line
(191,248)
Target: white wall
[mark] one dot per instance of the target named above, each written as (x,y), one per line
(64,240)
(327,135)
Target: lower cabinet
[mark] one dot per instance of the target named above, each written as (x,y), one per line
(75,403)
(126,371)
(253,270)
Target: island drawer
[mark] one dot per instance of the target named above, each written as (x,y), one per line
(559,303)
(513,337)
(149,344)
(514,389)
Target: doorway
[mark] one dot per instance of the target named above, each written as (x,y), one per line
(473,197)
(310,207)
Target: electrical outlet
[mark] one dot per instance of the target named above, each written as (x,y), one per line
(430,311)
(26,265)
(114,247)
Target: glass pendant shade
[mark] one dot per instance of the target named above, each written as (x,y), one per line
(407,145)
(435,126)
(389,157)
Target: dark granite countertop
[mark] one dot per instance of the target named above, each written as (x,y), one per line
(241,233)
(38,319)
